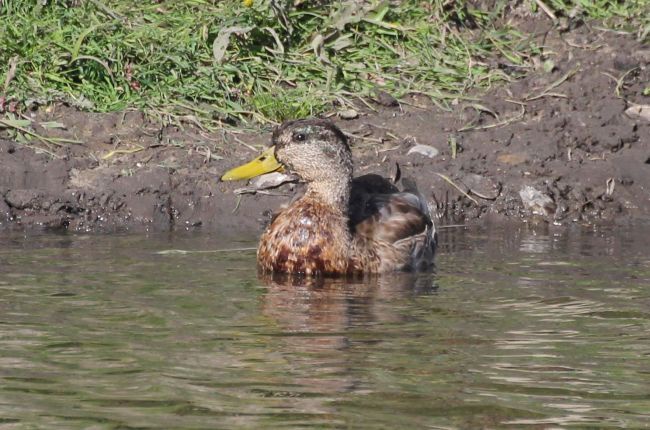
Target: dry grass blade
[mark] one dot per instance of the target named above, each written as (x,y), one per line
(520,115)
(619,81)
(453,184)
(16,125)
(547,10)
(122,151)
(554,85)
(11,73)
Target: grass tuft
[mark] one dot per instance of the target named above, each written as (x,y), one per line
(265,61)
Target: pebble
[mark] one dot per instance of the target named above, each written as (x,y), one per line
(426,150)
(639,112)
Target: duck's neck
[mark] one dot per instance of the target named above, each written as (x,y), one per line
(334,192)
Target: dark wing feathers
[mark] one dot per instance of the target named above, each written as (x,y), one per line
(379,211)
(362,191)
(393,218)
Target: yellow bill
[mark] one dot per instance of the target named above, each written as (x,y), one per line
(265,163)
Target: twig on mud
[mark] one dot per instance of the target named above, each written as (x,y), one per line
(392,136)
(56,141)
(611,30)
(453,184)
(369,139)
(404,102)
(379,151)
(558,95)
(547,90)
(122,151)
(239,197)
(435,97)
(547,10)
(38,148)
(206,152)
(619,81)
(506,121)
(585,47)
(480,108)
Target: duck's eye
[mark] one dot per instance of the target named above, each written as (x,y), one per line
(300,137)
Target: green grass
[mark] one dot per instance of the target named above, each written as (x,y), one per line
(110,55)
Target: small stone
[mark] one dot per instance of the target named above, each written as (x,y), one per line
(426,150)
(538,202)
(348,114)
(23,199)
(639,112)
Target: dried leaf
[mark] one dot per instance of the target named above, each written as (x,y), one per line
(14,123)
(278,42)
(264,182)
(222,41)
(317,45)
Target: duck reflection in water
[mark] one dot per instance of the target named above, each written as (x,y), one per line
(328,324)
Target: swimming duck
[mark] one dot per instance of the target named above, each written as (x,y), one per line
(340,225)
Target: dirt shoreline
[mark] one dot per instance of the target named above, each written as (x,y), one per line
(556,146)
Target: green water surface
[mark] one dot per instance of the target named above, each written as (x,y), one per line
(517,329)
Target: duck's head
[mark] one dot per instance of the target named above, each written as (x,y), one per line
(314,149)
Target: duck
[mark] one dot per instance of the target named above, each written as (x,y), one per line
(341,225)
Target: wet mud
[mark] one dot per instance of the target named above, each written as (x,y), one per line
(562,145)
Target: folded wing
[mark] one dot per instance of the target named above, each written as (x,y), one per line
(398,222)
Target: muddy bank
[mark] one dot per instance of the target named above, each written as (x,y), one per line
(560,146)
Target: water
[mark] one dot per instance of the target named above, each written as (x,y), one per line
(518,329)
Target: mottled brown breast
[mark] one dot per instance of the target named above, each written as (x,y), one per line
(309,238)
